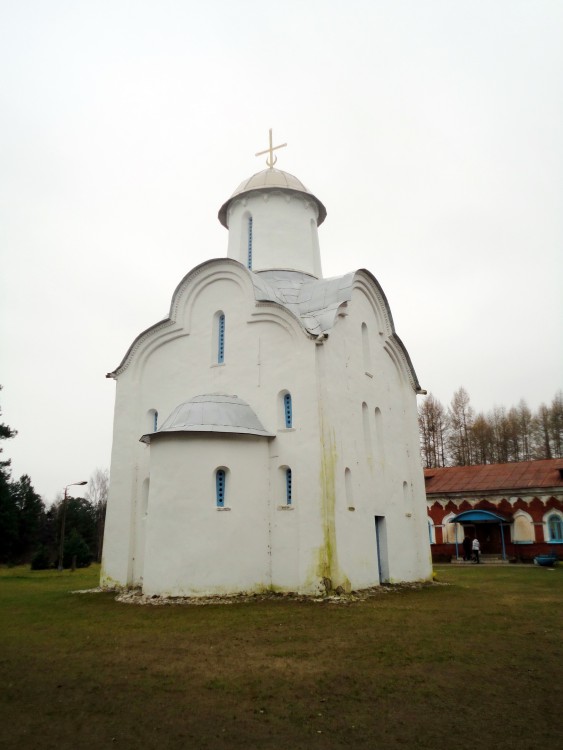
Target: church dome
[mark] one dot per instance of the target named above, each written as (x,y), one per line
(271,179)
(214,412)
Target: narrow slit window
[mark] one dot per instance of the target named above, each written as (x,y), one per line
(220,487)
(249,256)
(288,487)
(151,421)
(287,410)
(221,339)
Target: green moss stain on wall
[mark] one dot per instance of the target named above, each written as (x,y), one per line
(328,568)
(107,582)
(328,555)
(326,571)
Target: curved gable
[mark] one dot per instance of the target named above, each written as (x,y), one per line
(366,282)
(186,291)
(313,304)
(184,298)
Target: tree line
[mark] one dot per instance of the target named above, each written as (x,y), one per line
(458,436)
(30,532)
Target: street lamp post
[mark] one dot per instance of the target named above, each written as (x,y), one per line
(62,541)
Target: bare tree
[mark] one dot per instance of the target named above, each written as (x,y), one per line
(525,425)
(500,425)
(542,425)
(513,435)
(556,424)
(97,494)
(459,438)
(482,439)
(432,426)
(460,420)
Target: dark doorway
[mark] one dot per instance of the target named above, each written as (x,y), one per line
(488,535)
(381,548)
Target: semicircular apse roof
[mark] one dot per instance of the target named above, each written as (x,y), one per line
(213,412)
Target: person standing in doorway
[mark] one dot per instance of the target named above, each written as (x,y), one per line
(467,548)
(476,549)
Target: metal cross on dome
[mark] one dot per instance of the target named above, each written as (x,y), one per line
(271,159)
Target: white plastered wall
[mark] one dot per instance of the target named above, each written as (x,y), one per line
(266,352)
(284,231)
(194,548)
(385,470)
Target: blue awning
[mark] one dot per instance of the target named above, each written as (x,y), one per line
(479,516)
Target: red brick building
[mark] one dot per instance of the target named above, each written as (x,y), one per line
(517,509)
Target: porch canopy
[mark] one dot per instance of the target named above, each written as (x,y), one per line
(474,517)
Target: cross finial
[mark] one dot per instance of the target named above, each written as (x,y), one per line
(271,159)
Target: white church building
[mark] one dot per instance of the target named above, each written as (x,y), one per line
(265,433)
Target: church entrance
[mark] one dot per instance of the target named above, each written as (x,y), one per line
(489,528)
(381,549)
(489,538)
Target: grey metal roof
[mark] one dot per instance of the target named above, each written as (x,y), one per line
(313,301)
(271,179)
(213,412)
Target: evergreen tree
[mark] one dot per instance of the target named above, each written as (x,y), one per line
(8,512)
(30,510)
(76,551)
(80,518)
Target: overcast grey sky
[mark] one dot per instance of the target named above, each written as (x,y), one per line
(431,130)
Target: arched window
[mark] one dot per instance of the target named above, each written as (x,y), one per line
(366,349)
(249,246)
(555,527)
(218,348)
(288,487)
(220,487)
(451,531)
(522,528)
(152,420)
(221,342)
(431,531)
(287,410)
(349,489)
(367,431)
(379,432)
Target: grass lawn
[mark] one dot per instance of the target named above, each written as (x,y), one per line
(475,663)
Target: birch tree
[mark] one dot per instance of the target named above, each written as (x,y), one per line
(97,494)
